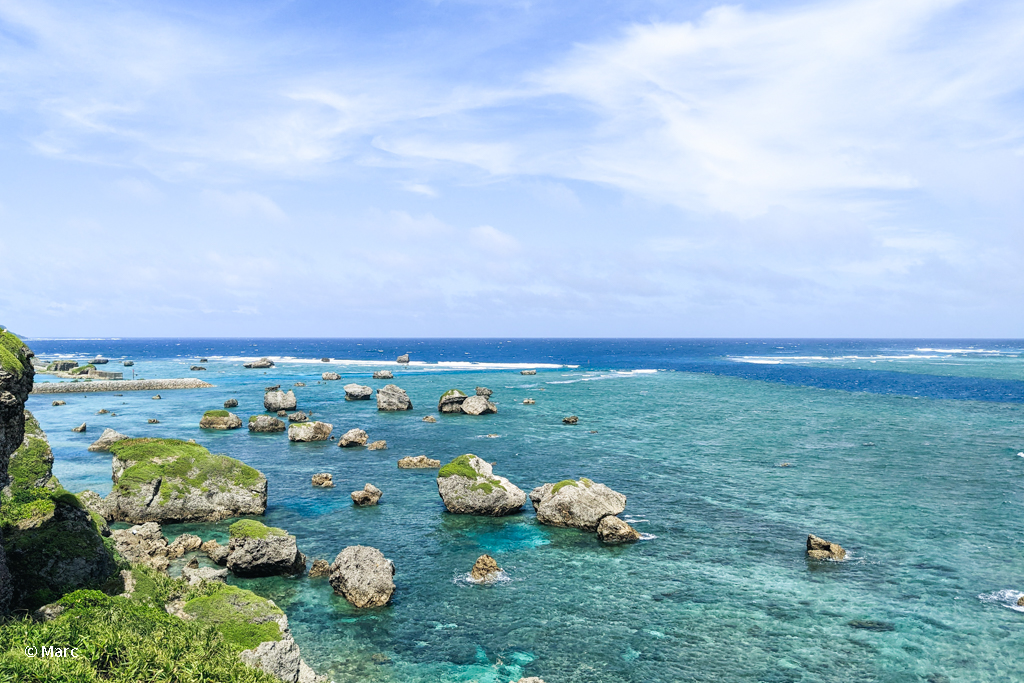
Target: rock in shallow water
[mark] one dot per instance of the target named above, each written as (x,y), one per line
(363,576)
(451,401)
(231,403)
(320,568)
(323,480)
(381,445)
(261,363)
(265,423)
(820,549)
(79,428)
(468,486)
(393,398)
(418,462)
(478,405)
(368,496)
(298,417)
(358,392)
(430,418)
(310,431)
(259,550)
(330,376)
(106,440)
(577,504)
(383,374)
(613,530)
(353,438)
(485,568)
(220,419)
(279,400)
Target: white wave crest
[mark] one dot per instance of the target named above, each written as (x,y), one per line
(1007,597)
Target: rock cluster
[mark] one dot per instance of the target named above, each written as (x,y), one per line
(478,405)
(468,486)
(392,398)
(217,553)
(358,392)
(259,550)
(418,462)
(820,549)
(261,363)
(324,480)
(483,391)
(383,374)
(571,420)
(363,576)
(265,423)
(455,401)
(368,496)
(279,400)
(451,401)
(612,530)
(329,376)
(310,431)
(107,439)
(143,544)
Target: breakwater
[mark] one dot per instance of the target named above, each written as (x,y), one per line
(123,385)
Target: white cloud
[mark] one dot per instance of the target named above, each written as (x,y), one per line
(491,239)
(244,203)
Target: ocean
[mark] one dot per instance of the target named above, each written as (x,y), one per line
(909,453)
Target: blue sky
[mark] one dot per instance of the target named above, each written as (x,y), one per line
(843,168)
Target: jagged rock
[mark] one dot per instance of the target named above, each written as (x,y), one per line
(220,419)
(451,401)
(203,360)
(186,543)
(380,445)
(168,480)
(231,403)
(392,398)
(259,550)
(611,529)
(528,401)
(196,368)
(478,405)
(320,568)
(483,391)
(418,462)
(79,428)
(363,576)
(368,496)
(48,612)
(330,376)
(93,503)
(404,358)
(358,392)
(153,421)
(142,544)
(261,363)
(383,374)
(106,440)
(265,423)
(352,438)
(102,411)
(527,372)
(128,363)
(430,418)
(282,413)
(279,400)
(468,487)
(196,575)
(485,569)
(310,431)
(215,551)
(298,417)
(325,360)
(820,549)
(577,504)
(62,365)
(1020,601)
(571,420)
(281,659)
(323,479)
(99,360)
(59,403)
(300,384)
(273,388)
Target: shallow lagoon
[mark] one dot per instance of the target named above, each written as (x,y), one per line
(923,491)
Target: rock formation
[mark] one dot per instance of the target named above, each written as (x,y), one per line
(363,576)
(418,462)
(381,445)
(261,363)
(107,439)
(528,401)
(259,550)
(219,419)
(571,420)
(368,496)
(79,428)
(319,569)
(484,391)
(324,480)
(392,398)
(298,417)
(383,374)
(196,574)
(352,438)
(611,530)
(527,372)
(329,376)
(167,480)
(196,368)
(279,400)
(820,549)
(265,423)
(478,405)
(310,431)
(358,392)
(186,543)
(215,551)
(430,418)
(451,401)
(404,358)
(153,421)
(468,487)
(577,504)
(143,544)
(59,403)
(485,569)
(231,403)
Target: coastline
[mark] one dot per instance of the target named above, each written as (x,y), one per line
(118,385)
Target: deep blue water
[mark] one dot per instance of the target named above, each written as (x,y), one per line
(910,453)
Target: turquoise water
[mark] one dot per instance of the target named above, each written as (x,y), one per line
(924,492)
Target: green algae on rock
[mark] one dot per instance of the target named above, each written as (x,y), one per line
(467,486)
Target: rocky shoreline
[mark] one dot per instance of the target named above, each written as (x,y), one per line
(122,385)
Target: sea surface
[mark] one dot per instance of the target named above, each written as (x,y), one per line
(909,453)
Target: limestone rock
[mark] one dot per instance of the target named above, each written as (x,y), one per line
(418,462)
(196,368)
(156,398)
(106,440)
(298,417)
(329,376)
(279,400)
(300,384)
(485,569)
(142,544)
(383,374)
(320,568)
(430,418)
(820,549)
(468,486)
(478,405)
(259,550)
(215,551)
(451,401)
(404,358)
(153,421)
(325,360)
(261,363)
(528,401)
(363,576)
(611,529)
(196,575)
(128,363)
(282,413)
(577,504)
(357,392)
(484,391)
(231,403)
(352,438)
(220,419)
(186,543)
(392,398)
(59,403)
(1020,601)
(79,428)
(527,372)
(310,431)
(265,423)
(571,420)
(368,496)
(324,480)
(380,445)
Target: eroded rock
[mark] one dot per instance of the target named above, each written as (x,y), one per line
(418,462)
(256,549)
(310,431)
(265,423)
(392,398)
(358,392)
(353,438)
(579,504)
(380,445)
(820,549)
(107,439)
(613,530)
(279,400)
(368,496)
(485,569)
(330,376)
(468,486)
(478,405)
(220,419)
(363,576)
(323,480)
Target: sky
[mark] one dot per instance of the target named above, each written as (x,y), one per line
(629,168)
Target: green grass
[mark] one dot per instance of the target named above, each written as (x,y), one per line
(153,587)
(562,484)
(81,369)
(216,413)
(459,467)
(451,393)
(487,486)
(32,425)
(253,418)
(244,618)
(30,463)
(121,641)
(11,357)
(250,528)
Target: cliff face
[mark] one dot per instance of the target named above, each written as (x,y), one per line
(16,376)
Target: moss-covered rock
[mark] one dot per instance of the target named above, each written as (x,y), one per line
(244,618)
(468,486)
(580,504)
(451,401)
(255,549)
(219,419)
(168,480)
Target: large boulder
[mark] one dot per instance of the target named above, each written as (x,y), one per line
(310,431)
(265,423)
(261,363)
(323,480)
(196,575)
(820,549)
(613,530)
(468,487)
(368,496)
(485,569)
(279,400)
(330,376)
(451,401)
(358,392)
(259,550)
(219,419)
(383,374)
(168,480)
(418,462)
(393,398)
(580,504)
(215,551)
(231,403)
(298,416)
(484,391)
(143,544)
(352,438)
(363,576)
(107,439)
(478,405)
(379,445)
(404,358)
(527,372)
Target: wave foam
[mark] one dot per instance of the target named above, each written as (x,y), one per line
(441,365)
(468,580)
(1007,598)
